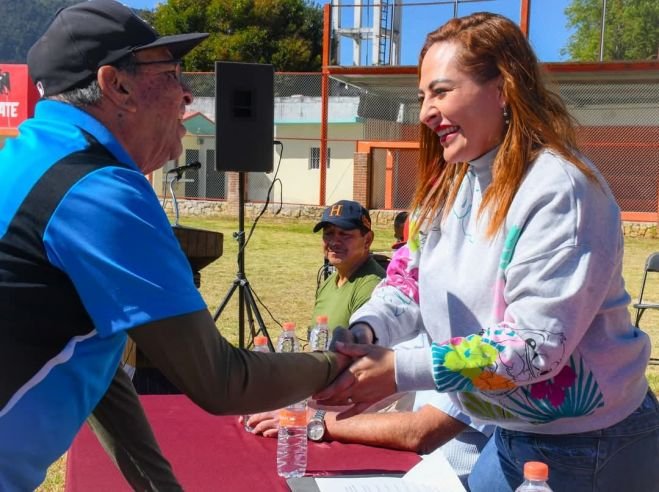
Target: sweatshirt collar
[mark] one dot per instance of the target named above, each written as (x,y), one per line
(485,161)
(482,168)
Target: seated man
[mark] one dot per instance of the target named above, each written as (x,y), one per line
(347,239)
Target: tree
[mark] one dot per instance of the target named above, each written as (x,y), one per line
(286,33)
(631,29)
(22,23)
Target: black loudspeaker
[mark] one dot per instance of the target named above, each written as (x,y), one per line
(244,117)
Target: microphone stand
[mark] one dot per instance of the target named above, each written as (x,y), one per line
(173,176)
(246,300)
(171,179)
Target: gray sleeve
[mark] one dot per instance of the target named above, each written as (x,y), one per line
(223,379)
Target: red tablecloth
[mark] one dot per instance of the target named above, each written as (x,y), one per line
(214,453)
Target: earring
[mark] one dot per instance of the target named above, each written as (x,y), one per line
(506,115)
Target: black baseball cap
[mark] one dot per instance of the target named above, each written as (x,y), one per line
(85,36)
(345,214)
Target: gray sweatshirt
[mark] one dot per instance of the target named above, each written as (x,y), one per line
(531,329)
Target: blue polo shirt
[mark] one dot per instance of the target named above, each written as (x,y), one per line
(86,253)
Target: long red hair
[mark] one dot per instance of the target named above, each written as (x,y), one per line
(492,46)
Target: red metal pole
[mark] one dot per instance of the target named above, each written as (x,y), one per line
(524,17)
(389,180)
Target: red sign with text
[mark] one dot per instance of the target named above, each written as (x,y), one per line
(18,95)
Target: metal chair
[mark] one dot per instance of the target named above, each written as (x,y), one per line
(651,266)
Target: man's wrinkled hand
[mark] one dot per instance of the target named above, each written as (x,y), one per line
(368,379)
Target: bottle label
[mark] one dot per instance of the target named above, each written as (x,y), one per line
(322,340)
(319,338)
(288,418)
(286,345)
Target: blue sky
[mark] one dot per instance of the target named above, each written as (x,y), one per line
(548,33)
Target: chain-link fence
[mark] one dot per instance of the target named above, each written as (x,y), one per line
(617,116)
(619,131)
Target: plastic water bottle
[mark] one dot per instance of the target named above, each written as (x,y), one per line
(536,475)
(287,341)
(292,441)
(319,336)
(260,345)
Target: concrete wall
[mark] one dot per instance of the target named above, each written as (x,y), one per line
(312,212)
(299,183)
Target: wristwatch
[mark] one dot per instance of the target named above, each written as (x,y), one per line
(316,426)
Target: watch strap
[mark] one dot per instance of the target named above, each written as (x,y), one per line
(316,428)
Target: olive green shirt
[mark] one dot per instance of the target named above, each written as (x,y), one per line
(338,303)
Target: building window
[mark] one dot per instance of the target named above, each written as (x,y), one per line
(191,155)
(314,158)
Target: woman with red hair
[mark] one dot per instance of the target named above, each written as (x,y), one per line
(514,269)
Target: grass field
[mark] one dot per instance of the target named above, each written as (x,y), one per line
(281,263)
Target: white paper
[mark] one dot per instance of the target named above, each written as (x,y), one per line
(434,469)
(432,474)
(372,484)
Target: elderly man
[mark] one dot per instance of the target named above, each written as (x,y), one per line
(87,255)
(347,240)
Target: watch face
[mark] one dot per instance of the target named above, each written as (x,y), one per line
(315,430)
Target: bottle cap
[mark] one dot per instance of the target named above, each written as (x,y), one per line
(536,470)
(260,340)
(288,326)
(321,319)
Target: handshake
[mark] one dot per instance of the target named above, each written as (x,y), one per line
(367,374)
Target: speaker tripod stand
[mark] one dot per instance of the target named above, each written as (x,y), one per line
(246,299)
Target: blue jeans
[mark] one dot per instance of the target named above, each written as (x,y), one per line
(624,456)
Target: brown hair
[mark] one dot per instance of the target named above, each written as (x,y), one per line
(491,46)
